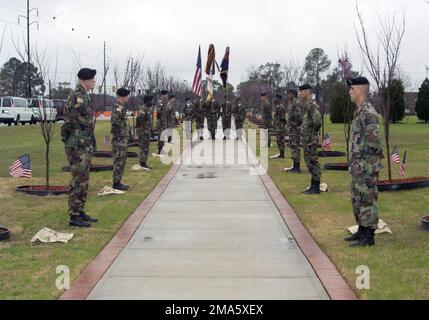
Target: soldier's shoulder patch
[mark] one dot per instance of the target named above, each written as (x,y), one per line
(79,100)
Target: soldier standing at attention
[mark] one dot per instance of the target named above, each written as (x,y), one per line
(162,116)
(239,116)
(77,134)
(144,131)
(171,118)
(189,114)
(120,137)
(312,123)
(199,118)
(293,129)
(226,118)
(366,153)
(267,116)
(212,115)
(280,125)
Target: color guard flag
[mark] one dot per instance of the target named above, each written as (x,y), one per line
(225,68)
(197,85)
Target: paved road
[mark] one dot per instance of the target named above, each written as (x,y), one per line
(214,234)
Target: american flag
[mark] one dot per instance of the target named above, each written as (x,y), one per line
(326,144)
(395,155)
(403,165)
(197,86)
(106,141)
(21,168)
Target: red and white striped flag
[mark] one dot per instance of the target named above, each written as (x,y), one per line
(403,165)
(395,155)
(197,85)
(327,144)
(21,168)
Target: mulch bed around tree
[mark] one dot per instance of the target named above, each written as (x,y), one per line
(328,154)
(4,234)
(336,166)
(425,223)
(109,154)
(43,191)
(403,184)
(94,168)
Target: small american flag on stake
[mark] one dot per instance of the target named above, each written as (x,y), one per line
(395,155)
(403,165)
(21,168)
(106,141)
(327,144)
(197,85)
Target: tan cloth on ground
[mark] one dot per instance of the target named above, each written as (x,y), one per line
(108,190)
(47,235)
(324,187)
(137,167)
(382,228)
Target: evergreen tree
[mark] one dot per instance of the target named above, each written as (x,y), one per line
(422,104)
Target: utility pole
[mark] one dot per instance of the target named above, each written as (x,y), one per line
(104,80)
(27,17)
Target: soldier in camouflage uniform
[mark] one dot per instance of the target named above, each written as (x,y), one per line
(77,134)
(280,125)
(226,118)
(293,129)
(162,116)
(188,117)
(240,117)
(120,137)
(212,108)
(144,132)
(199,118)
(312,123)
(171,118)
(366,153)
(267,116)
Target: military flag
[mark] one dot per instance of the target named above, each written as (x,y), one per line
(403,165)
(21,168)
(395,155)
(197,85)
(225,68)
(210,70)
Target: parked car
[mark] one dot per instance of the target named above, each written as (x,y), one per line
(43,109)
(60,107)
(15,110)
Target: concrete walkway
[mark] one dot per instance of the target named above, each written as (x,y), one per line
(214,234)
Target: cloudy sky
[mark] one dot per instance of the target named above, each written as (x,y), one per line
(169,32)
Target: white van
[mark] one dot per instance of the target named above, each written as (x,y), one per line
(43,109)
(16,110)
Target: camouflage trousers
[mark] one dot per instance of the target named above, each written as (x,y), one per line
(212,124)
(188,124)
(281,141)
(239,123)
(295,147)
(364,196)
(163,137)
(226,125)
(144,145)
(311,158)
(268,127)
(80,164)
(200,125)
(119,151)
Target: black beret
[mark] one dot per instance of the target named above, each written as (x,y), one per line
(86,74)
(359,81)
(171,96)
(263,94)
(147,99)
(122,92)
(164,92)
(279,96)
(187,99)
(293,91)
(305,87)
(239,99)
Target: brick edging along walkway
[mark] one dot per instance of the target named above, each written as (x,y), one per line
(331,279)
(95,270)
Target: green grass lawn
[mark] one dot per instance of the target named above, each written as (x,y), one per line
(27,271)
(399,263)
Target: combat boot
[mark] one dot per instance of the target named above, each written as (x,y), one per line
(356,236)
(120,186)
(367,238)
(87,218)
(280,156)
(78,221)
(314,189)
(145,167)
(294,169)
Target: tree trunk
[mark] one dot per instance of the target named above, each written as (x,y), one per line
(47,163)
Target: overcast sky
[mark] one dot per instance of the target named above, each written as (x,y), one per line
(169,32)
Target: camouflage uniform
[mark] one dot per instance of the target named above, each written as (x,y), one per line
(77,135)
(120,137)
(280,126)
(162,125)
(171,119)
(366,152)
(144,132)
(212,115)
(293,128)
(268,119)
(199,117)
(311,126)
(226,118)
(189,115)
(240,116)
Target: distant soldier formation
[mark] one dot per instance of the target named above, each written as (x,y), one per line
(295,121)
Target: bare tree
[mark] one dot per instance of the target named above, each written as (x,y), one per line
(2,37)
(154,78)
(382,65)
(294,73)
(44,63)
